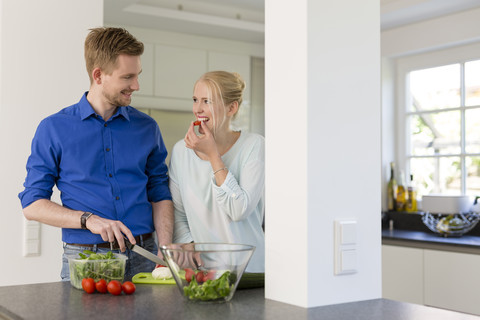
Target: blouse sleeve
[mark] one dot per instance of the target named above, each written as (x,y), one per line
(239,197)
(181,230)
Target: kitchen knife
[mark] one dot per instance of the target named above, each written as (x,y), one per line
(145,253)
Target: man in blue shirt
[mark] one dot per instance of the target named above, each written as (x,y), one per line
(106,158)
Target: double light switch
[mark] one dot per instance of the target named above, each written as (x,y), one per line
(345,247)
(31,240)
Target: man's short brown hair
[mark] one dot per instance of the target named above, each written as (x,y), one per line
(103,46)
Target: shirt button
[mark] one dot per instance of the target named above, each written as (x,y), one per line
(105,125)
(117,198)
(108,149)
(110,175)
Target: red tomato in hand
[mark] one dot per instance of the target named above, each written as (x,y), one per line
(189,273)
(199,277)
(114,287)
(88,284)
(101,286)
(128,287)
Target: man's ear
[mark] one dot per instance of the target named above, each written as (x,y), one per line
(233,108)
(97,75)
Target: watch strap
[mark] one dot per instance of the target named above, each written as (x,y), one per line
(83,219)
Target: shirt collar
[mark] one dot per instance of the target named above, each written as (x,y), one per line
(86,109)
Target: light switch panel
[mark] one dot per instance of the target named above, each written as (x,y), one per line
(348,231)
(31,238)
(345,247)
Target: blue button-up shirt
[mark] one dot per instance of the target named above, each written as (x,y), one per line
(113,169)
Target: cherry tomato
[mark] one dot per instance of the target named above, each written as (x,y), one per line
(199,277)
(128,287)
(197,123)
(114,287)
(159,266)
(189,273)
(210,275)
(88,284)
(101,286)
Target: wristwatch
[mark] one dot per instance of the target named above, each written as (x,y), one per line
(83,219)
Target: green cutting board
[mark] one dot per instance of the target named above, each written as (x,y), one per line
(146,277)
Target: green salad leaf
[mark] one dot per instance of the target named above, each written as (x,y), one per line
(97,266)
(210,289)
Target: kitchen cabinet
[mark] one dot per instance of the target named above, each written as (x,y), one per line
(402,274)
(436,278)
(169,73)
(176,70)
(453,280)
(232,63)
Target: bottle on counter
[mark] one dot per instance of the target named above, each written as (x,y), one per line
(412,196)
(402,195)
(392,189)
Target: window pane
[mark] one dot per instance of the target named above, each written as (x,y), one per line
(473,175)
(472,131)
(437,175)
(435,133)
(435,88)
(472,83)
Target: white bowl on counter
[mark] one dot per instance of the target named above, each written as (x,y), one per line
(446,204)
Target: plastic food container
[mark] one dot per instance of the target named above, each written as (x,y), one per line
(446,204)
(108,269)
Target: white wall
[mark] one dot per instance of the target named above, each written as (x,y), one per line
(323,148)
(42,70)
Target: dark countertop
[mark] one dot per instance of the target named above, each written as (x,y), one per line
(59,300)
(409,231)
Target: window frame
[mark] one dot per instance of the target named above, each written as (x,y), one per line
(431,59)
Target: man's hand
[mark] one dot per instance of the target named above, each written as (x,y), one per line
(110,230)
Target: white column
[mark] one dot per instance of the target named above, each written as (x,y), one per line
(322,148)
(42,70)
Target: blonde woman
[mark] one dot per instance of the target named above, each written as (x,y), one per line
(217,176)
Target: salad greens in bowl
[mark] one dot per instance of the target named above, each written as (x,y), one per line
(207,272)
(109,266)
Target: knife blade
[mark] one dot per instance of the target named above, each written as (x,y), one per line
(145,253)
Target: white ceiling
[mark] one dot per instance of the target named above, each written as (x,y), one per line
(243,20)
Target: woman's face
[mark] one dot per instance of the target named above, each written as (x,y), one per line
(206,108)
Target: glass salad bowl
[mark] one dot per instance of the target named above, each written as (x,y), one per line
(207,272)
(451,225)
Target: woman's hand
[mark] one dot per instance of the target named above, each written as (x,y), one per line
(204,143)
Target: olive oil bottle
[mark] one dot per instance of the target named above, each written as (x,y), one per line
(412,196)
(402,195)
(392,189)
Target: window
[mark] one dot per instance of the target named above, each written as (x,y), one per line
(441,117)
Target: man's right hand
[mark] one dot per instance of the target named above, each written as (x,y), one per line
(110,230)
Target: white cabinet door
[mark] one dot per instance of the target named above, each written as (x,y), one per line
(402,274)
(176,70)
(232,63)
(452,281)
(147,75)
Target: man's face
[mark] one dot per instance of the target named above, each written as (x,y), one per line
(123,80)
